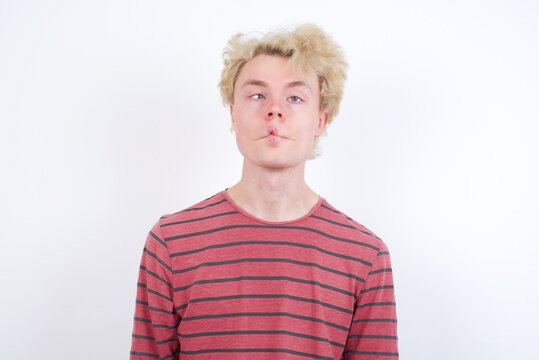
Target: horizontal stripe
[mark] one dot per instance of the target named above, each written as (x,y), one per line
(194,208)
(200,219)
(335,211)
(144,354)
(282,227)
(143,320)
(230,262)
(268,242)
(154,308)
(266,278)
(374,320)
(376,304)
(161,310)
(368,233)
(261,332)
(166,341)
(163,326)
(383,253)
(349,218)
(203,207)
(158,239)
(380,271)
(153,291)
(372,353)
(150,338)
(300,317)
(155,276)
(143,337)
(158,260)
(334,222)
(346,225)
(206,351)
(384,337)
(171,355)
(377,288)
(267,296)
(159,294)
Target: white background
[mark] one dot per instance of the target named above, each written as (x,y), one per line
(111,117)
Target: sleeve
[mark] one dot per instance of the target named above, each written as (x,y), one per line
(156,321)
(373,332)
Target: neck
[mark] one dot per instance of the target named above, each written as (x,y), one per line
(273,194)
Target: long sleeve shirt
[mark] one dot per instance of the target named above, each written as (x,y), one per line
(216,283)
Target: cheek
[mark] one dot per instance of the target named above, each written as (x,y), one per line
(243,128)
(245,112)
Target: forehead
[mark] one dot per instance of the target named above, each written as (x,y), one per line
(275,70)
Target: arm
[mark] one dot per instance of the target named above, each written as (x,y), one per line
(156,321)
(373,332)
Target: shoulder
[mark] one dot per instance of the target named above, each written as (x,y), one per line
(190,218)
(346,226)
(199,208)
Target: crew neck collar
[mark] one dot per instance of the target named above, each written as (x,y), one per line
(287,222)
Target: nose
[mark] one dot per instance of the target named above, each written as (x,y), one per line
(271,114)
(274,111)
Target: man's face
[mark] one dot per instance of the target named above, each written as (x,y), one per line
(276,113)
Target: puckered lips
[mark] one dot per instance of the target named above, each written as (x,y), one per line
(273,135)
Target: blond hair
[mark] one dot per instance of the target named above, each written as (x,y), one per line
(307,46)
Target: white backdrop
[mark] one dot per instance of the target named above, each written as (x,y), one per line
(111,117)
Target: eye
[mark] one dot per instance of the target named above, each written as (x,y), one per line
(257,96)
(295,99)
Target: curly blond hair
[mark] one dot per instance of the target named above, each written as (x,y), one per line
(307,46)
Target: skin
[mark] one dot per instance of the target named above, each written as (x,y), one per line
(270,93)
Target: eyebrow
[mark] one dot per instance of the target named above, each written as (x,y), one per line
(265,84)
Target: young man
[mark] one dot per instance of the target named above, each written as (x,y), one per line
(268,269)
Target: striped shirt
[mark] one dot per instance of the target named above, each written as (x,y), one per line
(216,283)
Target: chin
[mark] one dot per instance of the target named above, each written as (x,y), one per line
(277,160)
(279,164)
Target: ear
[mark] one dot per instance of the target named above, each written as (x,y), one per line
(232,125)
(322,121)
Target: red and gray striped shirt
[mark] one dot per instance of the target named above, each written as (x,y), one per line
(216,283)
